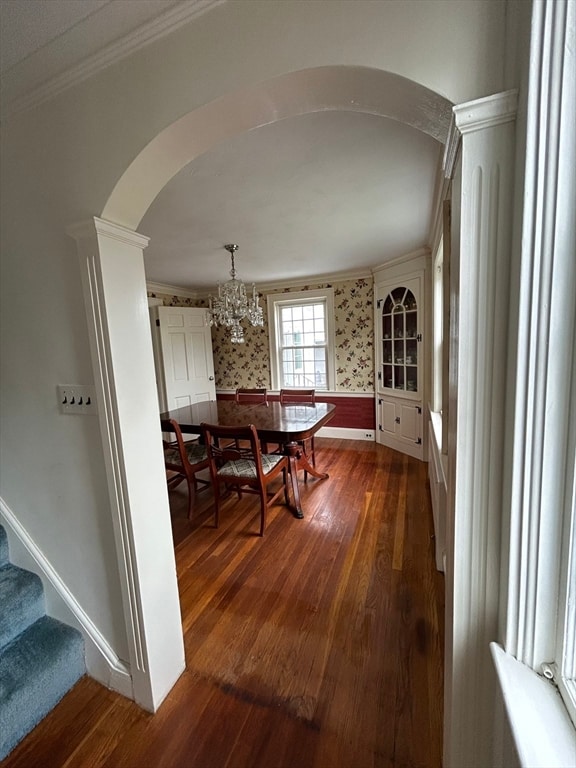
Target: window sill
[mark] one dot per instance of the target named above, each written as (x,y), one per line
(436,421)
(541,728)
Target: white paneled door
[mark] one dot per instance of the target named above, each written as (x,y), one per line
(183,352)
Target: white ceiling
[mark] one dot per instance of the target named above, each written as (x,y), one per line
(318,194)
(315,195)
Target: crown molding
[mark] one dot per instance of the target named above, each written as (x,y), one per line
(486,112)
(402,259)
(201,293)
(173,290)
(89,228)
(147,33)
(334,277)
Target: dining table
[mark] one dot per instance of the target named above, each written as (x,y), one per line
(282,424)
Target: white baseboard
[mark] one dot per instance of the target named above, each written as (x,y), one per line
(345,433)
(102,663)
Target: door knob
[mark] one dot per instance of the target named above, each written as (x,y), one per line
(210,378)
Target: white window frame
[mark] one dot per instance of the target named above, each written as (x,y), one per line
(438,329)
(275,303)
(539,623)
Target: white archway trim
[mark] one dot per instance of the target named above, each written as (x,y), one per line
(344,88)
(112,268)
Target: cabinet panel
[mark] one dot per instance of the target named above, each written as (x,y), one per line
(399,425)
(410,422)
(388,417)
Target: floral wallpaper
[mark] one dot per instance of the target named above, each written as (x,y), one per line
(248,364)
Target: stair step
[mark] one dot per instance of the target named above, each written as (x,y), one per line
(36,670)
(21,601)
(3,547)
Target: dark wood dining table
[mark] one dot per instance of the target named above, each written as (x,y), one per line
(275,423)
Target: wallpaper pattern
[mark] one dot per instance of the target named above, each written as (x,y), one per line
(248,364)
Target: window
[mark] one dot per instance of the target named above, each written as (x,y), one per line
(438,330)
(541,588)
(441,328)
(301,339)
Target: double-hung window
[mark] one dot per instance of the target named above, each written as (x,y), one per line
(302,339)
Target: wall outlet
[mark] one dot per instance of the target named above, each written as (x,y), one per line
(369,435)
(77,398)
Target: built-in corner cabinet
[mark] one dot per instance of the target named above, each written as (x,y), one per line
(400,359)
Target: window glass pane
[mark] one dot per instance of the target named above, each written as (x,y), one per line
(308,311)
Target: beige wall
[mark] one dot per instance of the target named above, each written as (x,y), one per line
(248,365)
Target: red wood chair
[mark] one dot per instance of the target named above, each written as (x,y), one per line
(254,396)
(257,396)
(183,460)
(246,469)
(302,397)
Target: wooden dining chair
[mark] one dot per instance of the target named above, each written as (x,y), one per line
(183,460)
(255,396)
(246,468)
(252,396)
(302,397)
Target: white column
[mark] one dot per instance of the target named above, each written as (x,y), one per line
(112,266)
(479,307)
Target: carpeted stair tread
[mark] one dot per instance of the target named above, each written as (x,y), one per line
(3,547)
(21,601)
(36,669)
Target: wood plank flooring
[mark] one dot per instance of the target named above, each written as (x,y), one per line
(319,645)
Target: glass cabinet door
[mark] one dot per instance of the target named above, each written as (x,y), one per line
(399,368)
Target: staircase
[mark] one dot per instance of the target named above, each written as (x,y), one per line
(40,658)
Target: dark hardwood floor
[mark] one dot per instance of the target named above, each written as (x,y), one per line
(319,645)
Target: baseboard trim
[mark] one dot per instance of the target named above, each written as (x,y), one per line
(346,433)
(102,663)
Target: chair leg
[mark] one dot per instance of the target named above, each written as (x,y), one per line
(191,495)
(263,508)
(216,505)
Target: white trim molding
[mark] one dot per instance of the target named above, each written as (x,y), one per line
(112,268)
(347,433)
(102,663)
(147,33)
(537,627)
(476,429)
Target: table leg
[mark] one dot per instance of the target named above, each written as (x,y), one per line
(302,461)
(297,511)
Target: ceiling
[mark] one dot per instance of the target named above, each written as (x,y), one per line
(314,195)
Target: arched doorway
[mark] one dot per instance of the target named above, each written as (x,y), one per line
(115,293)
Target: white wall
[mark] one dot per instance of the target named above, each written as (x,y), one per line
(60,163)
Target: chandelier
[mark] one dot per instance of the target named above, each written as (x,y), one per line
(232,304)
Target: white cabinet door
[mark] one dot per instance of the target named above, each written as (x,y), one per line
(400,425)
(183,351)
(400,362)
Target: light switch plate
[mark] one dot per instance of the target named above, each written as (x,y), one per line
(77,398)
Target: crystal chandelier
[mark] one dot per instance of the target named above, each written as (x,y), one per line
(232,304)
